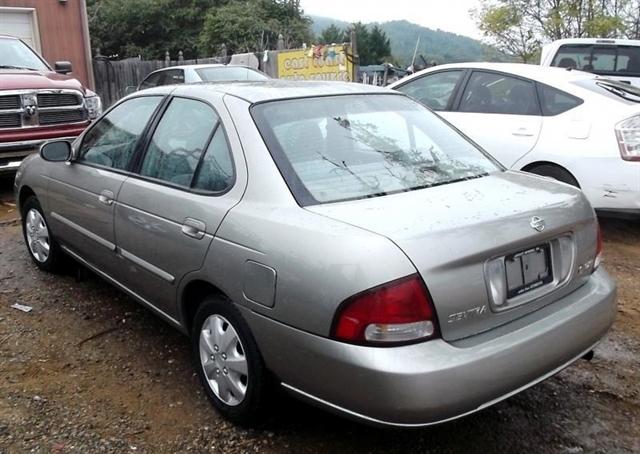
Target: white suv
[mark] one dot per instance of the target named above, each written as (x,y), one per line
(614,58)
(569,125)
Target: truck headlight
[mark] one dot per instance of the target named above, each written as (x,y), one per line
(94,104)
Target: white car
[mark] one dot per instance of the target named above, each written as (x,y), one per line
(187,74)
(614,58)
(570,125)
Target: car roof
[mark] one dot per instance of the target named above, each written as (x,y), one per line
(544,74)
(604,41)
(201,65)
(274,89)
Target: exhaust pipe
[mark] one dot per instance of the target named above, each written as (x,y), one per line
(588,356)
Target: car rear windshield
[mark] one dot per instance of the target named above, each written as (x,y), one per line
(14,54)
(229,73)
(608,60)
(339,148)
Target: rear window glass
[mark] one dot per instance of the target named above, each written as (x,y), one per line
(555,102)
(599,59)
(350,147)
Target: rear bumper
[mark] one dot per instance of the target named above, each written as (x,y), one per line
(12,153)
(436,381)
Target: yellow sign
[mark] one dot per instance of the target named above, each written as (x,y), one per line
(315,63)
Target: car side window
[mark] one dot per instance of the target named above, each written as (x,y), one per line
(152,81)
(179,141)
(433,90)
(497,93)
(216,169)
(111,142)
(173,76)
(555,102)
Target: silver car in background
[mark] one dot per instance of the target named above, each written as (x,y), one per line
(338,237)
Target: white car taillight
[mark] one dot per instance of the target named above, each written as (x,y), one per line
(628,134)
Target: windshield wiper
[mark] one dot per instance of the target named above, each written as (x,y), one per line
(16,67)
(619,90)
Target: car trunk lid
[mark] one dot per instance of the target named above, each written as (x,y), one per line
(452,233)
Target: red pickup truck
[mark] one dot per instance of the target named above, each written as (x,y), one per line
(38,103)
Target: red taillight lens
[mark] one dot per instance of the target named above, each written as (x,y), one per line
(598,259)
(397,312)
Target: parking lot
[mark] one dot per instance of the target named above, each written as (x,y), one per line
(89,370)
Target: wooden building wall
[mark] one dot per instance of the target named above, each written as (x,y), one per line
(60,26)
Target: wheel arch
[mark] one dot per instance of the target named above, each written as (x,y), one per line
(532,165)
(25,193)
(193,294)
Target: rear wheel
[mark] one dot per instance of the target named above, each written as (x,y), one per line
(228,362)
(555,172)
(41,244)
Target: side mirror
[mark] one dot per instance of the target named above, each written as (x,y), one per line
(62,67)
(56,151)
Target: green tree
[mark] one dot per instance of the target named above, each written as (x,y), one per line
(517,27)
(147,27)
(374,47)
(333,35)
(254,25)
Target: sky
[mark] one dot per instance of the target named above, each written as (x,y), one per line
(451,15)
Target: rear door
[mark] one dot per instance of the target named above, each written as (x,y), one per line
(500,112)
(82,194)
(167,214)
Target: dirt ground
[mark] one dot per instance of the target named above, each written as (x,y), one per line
(89,370)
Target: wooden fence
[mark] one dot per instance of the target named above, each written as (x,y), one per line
(113,77)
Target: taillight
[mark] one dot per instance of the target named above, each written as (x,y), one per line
(397,312)
(598,259)
(628,135)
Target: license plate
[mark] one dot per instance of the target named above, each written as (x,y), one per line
(528,270)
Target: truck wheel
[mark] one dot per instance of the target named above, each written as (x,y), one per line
(41,244)
(228,361)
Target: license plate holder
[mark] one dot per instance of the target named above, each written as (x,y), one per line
(527,270)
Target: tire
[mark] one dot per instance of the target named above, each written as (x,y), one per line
(238,396)
(41,244)
(555,172)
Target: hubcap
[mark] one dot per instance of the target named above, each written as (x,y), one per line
(223,360)
(37,236)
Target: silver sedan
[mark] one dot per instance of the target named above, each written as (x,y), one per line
(339,240)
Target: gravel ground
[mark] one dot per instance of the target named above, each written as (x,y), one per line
(89,370)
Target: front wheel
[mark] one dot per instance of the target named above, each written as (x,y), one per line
(41,244)
(228,361)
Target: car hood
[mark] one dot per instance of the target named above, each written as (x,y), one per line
(18,79)
(450,232)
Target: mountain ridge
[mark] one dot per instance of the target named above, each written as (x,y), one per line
(436,45)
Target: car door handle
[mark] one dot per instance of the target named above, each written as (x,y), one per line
(106,198)
(194,228)
(522,132)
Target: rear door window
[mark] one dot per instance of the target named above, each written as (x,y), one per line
(179,141)
(555,102)
(488,92)
(433,90)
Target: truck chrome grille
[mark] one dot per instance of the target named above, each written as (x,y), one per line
(10,102)
(10,120)
(33,108)
(70,116)
(58,100)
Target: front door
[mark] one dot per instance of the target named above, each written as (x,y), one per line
(167,214)
(82,194)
